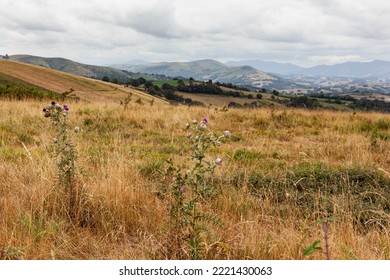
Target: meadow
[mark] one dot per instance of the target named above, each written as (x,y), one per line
(288,177)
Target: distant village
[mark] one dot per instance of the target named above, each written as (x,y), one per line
(4,56)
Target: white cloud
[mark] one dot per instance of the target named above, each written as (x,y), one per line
(301,31)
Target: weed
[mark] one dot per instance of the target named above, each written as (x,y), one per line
(190,189)
(126,101)
(65,154)
(11,253)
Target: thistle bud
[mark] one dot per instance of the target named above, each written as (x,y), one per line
(202,126)
(227,134)
(218,161)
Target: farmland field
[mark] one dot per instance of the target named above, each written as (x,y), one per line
(284,174)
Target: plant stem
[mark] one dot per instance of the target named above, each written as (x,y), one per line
(326,237)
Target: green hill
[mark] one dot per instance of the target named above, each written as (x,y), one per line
(211,69)
(76,68)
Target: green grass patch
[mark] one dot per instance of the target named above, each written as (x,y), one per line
(13,88)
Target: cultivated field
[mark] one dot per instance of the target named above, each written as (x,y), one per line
(282,171)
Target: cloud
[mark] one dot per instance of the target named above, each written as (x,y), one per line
(97,31)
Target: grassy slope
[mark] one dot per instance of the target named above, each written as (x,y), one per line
(85,88)
(282,170)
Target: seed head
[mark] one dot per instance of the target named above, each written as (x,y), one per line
(194,121)
(218,161)
(202,126)
(55,139)
(76,129)
(227,134)
(187,125)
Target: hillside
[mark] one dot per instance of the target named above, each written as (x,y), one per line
(214,70)
(268,66)
(282,173)
(57,81)
(72,67)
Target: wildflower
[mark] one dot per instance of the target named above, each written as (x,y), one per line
(47,113)
(227,134)
(76,129)
(218,161)
(202,126)
(182,189)
(205,120)
(65,107)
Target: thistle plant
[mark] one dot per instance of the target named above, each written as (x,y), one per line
(65,153)
(314,246)
(190,189)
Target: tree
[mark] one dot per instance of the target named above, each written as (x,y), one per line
(250,96)
(134,82)
(259,96)
(106,79)
(148,84)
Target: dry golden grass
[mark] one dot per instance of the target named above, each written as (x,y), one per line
(57,81)
(282,170)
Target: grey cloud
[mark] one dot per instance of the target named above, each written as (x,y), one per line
(289,30)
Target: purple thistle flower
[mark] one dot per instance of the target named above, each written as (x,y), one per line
(66,108)
(205,120)
(182,189)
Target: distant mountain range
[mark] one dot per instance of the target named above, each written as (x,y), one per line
(250,73)
(376,69)
(209,69)
(364,70)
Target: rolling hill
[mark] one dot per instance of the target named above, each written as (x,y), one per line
(57,81)
(209,69)
(268,66)
(72,67)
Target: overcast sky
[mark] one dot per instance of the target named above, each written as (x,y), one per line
(305,32)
